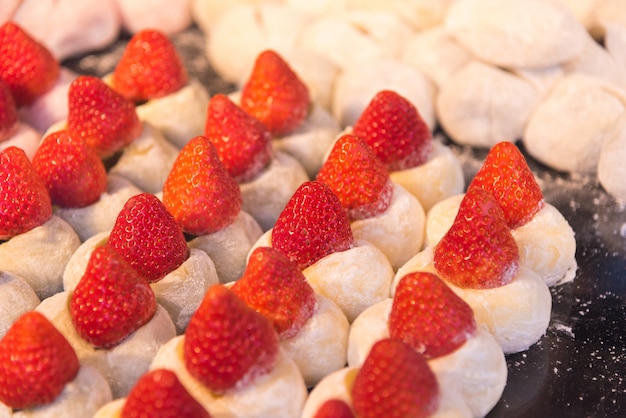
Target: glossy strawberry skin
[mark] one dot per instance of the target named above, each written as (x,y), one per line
(26,65)
(276,288)
(199,192)
(334,408)
(159,394)
(71,170)
(357,177)
(150,67)
(275,95)
(428,316)
(106,120)
(36,362)
(148,237)
(393,127)
(506,175)
(228,344)
(478,251)
(24,200)
(111,301)
(395,381)
(242,141)
(8,112)
(312,225)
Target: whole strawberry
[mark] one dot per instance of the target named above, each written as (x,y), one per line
(24,201)
(242,141)
(199,192)
(478,251)
(71,170)
(276,288)
(8,112)
(228,344)
(393,127)
(150,67)
(312,225)
(395,381)
(506,175)
(428,316)
(148,237)
(275,95)
(106,120)
(36,362)
(357,177)
(334,408)
(111,301)
(159,394)
(26,65)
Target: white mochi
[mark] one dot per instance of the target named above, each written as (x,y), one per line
(568,126)
(517,33)
(481,105)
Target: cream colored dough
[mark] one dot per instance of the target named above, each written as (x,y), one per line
(516,33)
(281,393)
(611,167)
(481,105)
(568,126)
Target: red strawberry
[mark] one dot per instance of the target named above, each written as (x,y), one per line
(146,235)
(428,316)
(334,408)
(275,95)
(275,287)
(242,141)
(199,192)
(159,394)
(36,362)
(24,201)
(150,67)
(8,112)
(103,118)
(395,381)
(111,301)
(506,175)
(227,343)
(312,225)
(393,127)
(26,65)
(72,171)
(357,177)
(478,251)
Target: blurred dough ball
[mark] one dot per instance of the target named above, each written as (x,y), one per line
(607,12)
(206,12)
(516,33)
(567,128)
(240,33)
(420,14)
(611,167)
(355,37)
(615,43)
(70,27)
(356,86)
(597,61)
(435,53)
(165,15)
(481,105)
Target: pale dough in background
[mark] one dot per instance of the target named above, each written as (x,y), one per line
(611,165)
(481,105)
(516,33)
(567,128)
